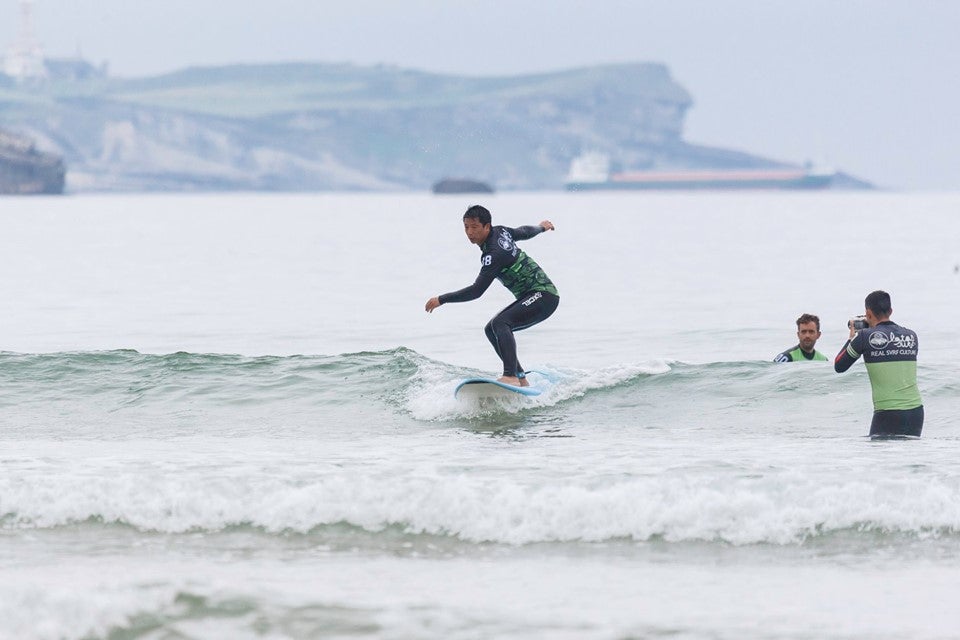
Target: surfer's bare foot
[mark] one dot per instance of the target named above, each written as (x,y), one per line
(513,381)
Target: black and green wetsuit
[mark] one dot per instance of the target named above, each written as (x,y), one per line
(890,353)
(799,355)
(537,298)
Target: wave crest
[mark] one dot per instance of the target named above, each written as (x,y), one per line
(478,510)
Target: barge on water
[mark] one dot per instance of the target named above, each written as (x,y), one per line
(591,172)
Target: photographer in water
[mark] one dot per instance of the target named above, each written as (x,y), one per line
(890,354)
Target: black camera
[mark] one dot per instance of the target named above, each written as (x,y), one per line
(858,322)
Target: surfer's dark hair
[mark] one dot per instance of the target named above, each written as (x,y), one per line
(879,303)
(808,318)
(478,212)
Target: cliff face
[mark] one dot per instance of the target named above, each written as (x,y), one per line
(317,127)
(24,170)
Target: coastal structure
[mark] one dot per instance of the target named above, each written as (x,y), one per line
(25,63)
(23,168)
(26,171)
(24,59)
(591,171)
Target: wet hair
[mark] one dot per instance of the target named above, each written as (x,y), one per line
(807,318)
(879,303)
(479,213)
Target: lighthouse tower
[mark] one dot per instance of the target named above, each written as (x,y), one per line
(24,59)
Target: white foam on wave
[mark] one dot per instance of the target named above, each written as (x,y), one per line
(517,599)
(290,495)
(431,397)
(41,608)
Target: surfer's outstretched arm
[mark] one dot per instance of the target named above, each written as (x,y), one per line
(474,291)
(528,231)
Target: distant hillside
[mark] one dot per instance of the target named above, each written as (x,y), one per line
(324,126)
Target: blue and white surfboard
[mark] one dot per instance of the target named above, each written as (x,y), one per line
(490,388)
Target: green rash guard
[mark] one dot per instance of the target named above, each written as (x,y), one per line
(799,355)
(890,353)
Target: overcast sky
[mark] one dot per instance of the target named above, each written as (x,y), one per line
(866,86)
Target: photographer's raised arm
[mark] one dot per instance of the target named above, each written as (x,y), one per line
(849,353)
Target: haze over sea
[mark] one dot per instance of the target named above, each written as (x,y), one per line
(228,416)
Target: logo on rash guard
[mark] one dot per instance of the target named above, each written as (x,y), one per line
(904,342)
(505,240)
(878,339)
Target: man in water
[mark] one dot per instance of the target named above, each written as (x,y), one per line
(808,331)
(890,353)
(500,258)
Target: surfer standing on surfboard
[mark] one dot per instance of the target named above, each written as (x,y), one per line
(500,258)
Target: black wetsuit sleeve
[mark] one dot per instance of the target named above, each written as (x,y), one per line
(526,232)
(849,353)
(494,259)
(474,291)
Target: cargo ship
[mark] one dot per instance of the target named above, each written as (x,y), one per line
(591,171)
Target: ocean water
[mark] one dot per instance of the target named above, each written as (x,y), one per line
(228,416)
